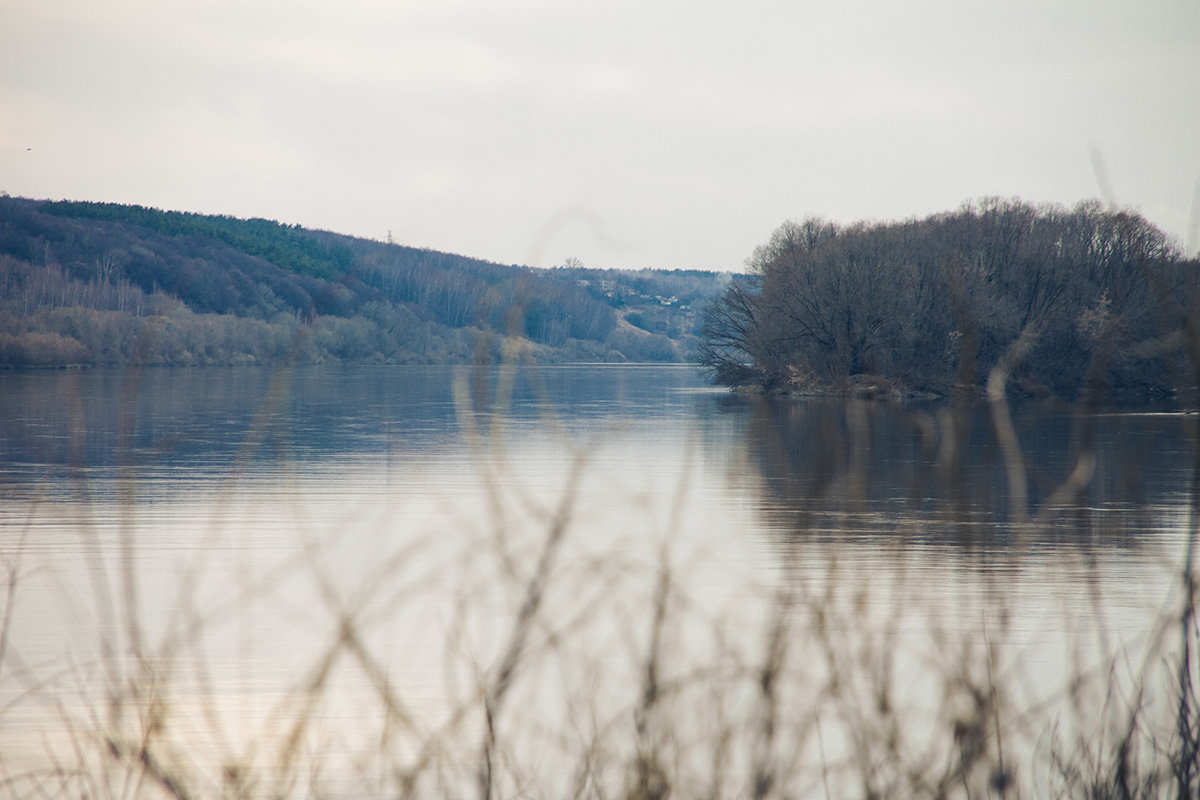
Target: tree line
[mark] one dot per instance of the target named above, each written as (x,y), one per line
(1067,298)
(104,283)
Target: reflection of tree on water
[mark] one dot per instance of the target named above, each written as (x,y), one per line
(944,619)
(936,475)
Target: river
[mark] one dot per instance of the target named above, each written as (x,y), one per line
(567,581)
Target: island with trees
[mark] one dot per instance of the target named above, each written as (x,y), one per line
(1063,301)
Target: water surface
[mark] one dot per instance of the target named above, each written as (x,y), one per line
(236,550)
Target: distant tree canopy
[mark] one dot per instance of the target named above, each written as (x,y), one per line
(286,246)
(932,303)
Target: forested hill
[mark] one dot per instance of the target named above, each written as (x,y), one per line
(1051,300)
(100,283)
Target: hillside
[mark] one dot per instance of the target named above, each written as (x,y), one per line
(99,283)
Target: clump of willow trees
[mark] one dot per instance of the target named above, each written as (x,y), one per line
(1066,299)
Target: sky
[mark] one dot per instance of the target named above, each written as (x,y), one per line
(623,133)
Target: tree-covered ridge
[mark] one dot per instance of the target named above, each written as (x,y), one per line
(98,283)
(286,246)
(1067,298)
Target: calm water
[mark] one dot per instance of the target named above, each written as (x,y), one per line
(229,552)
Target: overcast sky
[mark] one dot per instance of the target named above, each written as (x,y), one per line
(625,133)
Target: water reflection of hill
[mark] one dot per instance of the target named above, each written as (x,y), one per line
(208,419)
(922,475)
